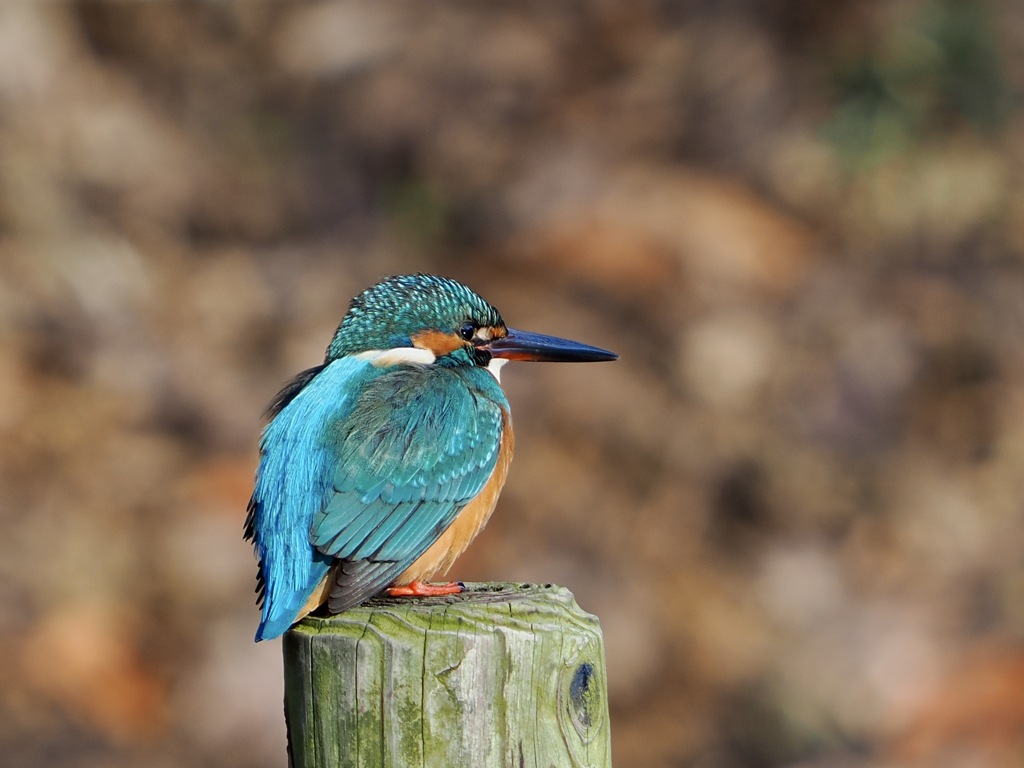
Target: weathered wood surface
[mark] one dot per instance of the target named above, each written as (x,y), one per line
(502,675)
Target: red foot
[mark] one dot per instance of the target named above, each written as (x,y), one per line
(424,589)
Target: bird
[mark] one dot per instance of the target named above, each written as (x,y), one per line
(378,467)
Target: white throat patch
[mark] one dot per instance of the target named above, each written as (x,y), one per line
(495,367)
(385,357)
(382,358)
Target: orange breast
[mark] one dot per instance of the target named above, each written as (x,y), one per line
(471,519)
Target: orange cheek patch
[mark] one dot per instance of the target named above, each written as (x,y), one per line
(438,342)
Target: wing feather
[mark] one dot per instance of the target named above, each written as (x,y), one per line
(361,470)
(417,447)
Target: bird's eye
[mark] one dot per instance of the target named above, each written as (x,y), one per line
(467,331)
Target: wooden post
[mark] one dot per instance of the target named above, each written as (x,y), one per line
(502,675)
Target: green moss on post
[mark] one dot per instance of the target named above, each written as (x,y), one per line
(501,675)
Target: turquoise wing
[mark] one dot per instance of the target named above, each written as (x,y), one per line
(416,447)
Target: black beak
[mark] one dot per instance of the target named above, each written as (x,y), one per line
(521,345)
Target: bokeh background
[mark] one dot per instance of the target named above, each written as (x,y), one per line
(796,503)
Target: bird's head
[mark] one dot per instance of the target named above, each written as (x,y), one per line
(429,319)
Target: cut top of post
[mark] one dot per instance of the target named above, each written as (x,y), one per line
(502,674)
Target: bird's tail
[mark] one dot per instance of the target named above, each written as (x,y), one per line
(279,613)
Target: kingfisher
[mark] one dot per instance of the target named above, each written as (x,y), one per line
(379,466)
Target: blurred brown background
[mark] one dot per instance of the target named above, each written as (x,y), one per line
(796,503)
